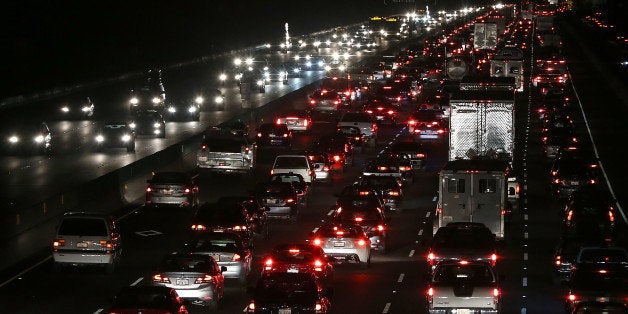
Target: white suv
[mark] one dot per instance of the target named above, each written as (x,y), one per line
(298,164)
(86,239)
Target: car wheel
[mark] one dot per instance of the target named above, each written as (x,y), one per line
(212,305)
(367,264)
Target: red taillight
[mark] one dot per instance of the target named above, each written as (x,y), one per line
(411,122)
(611,217)
(419,155)
(313,102)
(318,265)
(391,112)
(430,292)
(187,191)
(358,219)
(251,307)
(336,158)
(204,147)
(272,171)
(495,292)
(58,242)
(305,122)
(380,228)
(285,135)
(557,261)
(278,121)
(393,193)
(361,242)
(205,279)
(198,227)
(160,278)
(259,134)
(268,264)
(364,193)
(317,241)
(431,257)
(493,258)
(236,257)
(572,297)
(318,307)
(325,168)
(149,189)
(569,215)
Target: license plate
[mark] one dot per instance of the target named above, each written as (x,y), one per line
(285,311)
(575,182)
(271,135)
(339,244)
(166,192)
(218,230)
(292,270)
(380,118)
(271,201)
(463,311)
(291,122)
(601,299)
(81,244)
(202,158)
(183,282)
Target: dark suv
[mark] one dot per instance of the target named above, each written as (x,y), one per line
(463,241)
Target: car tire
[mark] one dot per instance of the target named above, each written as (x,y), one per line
(212,305)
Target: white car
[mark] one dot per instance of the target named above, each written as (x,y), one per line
(362,120)
(298,164)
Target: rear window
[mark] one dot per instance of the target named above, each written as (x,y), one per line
(225,146)
(186,264)
(356,117)
(290,162)
(92,227)
(459,274)
(170,177)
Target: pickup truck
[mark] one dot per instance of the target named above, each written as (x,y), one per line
(224,151)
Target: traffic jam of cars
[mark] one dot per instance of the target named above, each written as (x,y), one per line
(439,92)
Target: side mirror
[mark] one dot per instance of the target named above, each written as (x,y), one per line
(223,269)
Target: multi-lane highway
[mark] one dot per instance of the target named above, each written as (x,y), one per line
(395,282)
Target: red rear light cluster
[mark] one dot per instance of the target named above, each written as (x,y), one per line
(205,279)
(160,278)
(199,227)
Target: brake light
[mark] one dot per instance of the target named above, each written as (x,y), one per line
(305,122)
(391,112)
(463,262)
(251,307)
(187,191)
(313,102)
(361,242)
(318,265)
(317,241)
(440,131)
(325,168)
(557,261)
(572,297)
(404,168)
(198,227)
(285,135)
(336,158)
(236,257)
(204,147)
(160,278)
(382,168)
(369,111)
(493,258)
(259,134)
(611,217)
(239,228)
(58,242)
(496,292)
(149,189)
(393,193)
(290,200)
(431,257)
(412,122)
(430,292)
(364,193)
(268,264)
(380,228)
(272,171)
(569,215)
(358,219)
(205,279)
(419,155)
(318,307)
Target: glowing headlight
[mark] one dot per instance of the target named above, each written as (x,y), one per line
(100,138)
(260,82)
(157,131)
(238,76)
(327,68)
(222,77)
(39,138)
(218,99)
(308,64)
(295,70)
(199,100)
(341,68)
(13,139)
(321,64)
(134,101)
(86,108)
(65,109)
(192,109)
(172,109)
(132,125)
(126,138)
(156,125)
(156,100)
(283,73)
(266,75)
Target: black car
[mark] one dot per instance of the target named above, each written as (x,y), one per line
(147,97)
(280,198)
(353,134)
(388,165)
(568,248)
(257,213)
(295,179)
(272,134)
(148,122)
(593,205)
(597,282)
(76,108)
(355,195)
(410,149)
(184,110)
(173,188)
(26,138)
(153,299)
(390,188)
(115,134)
(569,174)
(289,293)
(463,241)
(371,218)
(299,258)
(224,217)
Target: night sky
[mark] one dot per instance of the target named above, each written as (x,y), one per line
(58,43)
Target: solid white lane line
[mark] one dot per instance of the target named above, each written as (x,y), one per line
(525,217)
(330,212)
(525,235)
(421,232)
(427,215)
(525,256)
(523,310)
(386,308)
(411,253)
(137,281)
(400,279)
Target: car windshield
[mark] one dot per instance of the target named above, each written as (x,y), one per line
(467,274)
(603,255)
(463,239)
(356,117)
(339,231)
(186,264)
(170,177)
(92,227)
(227,243)
(287,162)
(223,213)
(282,288)
(223,145)
(141,299)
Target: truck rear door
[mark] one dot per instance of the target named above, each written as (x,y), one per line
(455,198)
(487,201)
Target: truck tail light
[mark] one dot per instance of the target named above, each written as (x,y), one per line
(430,292)
(325,168)
(268,264)
(204,147)
(493,258)
(251,307)
(160,278)
(318,307)
(317,241)
(58,242)
(572,297)
(412,122)
(236,257)
(205,279)
(557,260)
(199,227)
(318,265)
(431,257)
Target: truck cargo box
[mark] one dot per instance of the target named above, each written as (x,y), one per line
(481,124)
